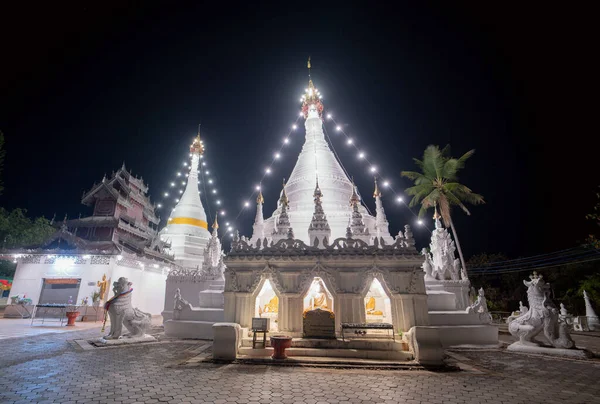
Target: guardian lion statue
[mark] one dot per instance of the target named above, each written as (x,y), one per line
(541,316)
(121,313)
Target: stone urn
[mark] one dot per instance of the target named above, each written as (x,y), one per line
(71,317)
(279,343)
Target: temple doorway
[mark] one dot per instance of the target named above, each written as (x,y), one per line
(378,306)
(318,296)
(267,305)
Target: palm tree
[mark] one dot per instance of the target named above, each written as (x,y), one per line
(436,186)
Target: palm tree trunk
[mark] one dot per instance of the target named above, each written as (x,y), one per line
(460,254)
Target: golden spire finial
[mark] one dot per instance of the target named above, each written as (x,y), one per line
(260,198)
(308,65)
(436,215)
(215,225)
(197,146)
(376,192)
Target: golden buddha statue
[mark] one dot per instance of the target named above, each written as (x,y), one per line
(370,306)
(272,306)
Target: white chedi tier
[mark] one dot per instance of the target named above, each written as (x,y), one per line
(187,228)
(316,160)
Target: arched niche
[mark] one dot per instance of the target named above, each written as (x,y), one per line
(318,296)
(267,305)
(377,303)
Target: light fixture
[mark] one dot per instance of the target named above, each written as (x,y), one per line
(338,128)
(373,169)
(301,113)
(181,191)
(399,199)
(277,155)
(350,141)
(230,228)
(286,140)
(361,155)
(294,126)
(268,170)
(207,172)
(166,194)
(246,204)
(420,222)
(159,205)
(184,164)
(210,181)
(218,202)
(182,182)
(214,191)
(179,174)
(222,213)
(329,116)
(172,184)
(227,224)
(258,187)
(386,184)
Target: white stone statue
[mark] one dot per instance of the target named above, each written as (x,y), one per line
(593,322)
(563,311)
(480,307)
(427,266)
(121,313)
(446,266)
(522,309)
(179,304)
(541,316)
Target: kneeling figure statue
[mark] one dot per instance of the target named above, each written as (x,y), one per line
(121,313)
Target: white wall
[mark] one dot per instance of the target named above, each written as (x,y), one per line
(148,285)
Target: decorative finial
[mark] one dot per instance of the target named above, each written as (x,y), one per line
(197,146)
(354,199)
(376,192)
(284,199)
(308,65)
(436,215)
(259,198)
(215,225)
(317,194)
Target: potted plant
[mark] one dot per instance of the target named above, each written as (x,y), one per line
(72,314)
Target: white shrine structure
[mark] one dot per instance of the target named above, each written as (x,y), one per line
(321,250)
(450,311)
(197,283)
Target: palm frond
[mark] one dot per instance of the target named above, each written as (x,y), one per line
(453,200)
(433,162)
(462,159)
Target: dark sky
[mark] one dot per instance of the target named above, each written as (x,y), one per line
(86,87)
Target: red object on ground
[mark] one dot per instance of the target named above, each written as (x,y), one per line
(279,344)
(72,315)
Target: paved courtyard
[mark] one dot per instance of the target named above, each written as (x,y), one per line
(51,368)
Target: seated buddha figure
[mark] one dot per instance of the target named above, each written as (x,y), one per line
(319,299)
(370,306)
(272,306)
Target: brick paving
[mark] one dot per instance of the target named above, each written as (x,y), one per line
(48,368)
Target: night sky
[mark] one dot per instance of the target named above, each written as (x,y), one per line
(86,87)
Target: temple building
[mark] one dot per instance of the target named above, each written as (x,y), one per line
(198,283)
(322,252)
(84,256)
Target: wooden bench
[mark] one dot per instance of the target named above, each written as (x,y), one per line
(368,326)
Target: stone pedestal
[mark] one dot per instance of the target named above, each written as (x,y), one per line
(226,341)
(541,350)
(426,346)
(318,324)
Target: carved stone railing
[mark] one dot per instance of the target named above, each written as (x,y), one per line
(290,246)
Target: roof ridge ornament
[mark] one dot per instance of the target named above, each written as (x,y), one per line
(376,192)
(197,146)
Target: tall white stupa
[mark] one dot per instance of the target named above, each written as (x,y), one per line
(317,163)
(187,227)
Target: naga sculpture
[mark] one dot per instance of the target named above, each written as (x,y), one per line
(541,316)
(121,313)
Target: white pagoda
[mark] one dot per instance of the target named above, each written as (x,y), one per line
(199,281)
(317,164)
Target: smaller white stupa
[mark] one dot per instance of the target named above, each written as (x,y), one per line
(592,318)
(187,228)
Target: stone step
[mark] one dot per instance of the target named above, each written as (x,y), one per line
(454,317)
(361,344)
(330,353)
(189,329)
(463,335)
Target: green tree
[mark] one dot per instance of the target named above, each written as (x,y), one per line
(593,241)
(437,186)
(18,230)
(2,155)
